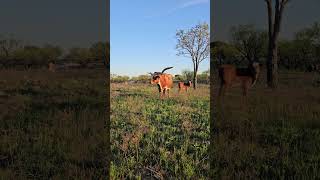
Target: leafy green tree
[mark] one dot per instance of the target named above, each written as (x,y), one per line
(250,42)
(204,77)
(302,52)
(310,37)
(223,52)
(119,79)
(187,74)
(31,56)
(8,45)
(51,53)
(79,55)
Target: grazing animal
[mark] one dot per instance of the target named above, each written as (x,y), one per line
(184,85)
(230,75)
(52,67)
(163,80)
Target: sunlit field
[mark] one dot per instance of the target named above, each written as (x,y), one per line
(52,125)
(275,136)
(155,139)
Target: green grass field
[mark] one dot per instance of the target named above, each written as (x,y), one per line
(52,125)
(275,136)
(153,138)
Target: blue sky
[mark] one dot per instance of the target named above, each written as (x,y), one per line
(142,34)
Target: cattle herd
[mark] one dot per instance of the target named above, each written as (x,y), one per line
(229,76)
(164,82)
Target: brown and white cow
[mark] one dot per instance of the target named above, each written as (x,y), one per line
(230,76)
(164,81)
(184,85)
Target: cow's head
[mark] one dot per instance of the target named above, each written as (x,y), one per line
(155,77)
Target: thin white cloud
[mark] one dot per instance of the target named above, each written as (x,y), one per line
(192,3)
(183,5)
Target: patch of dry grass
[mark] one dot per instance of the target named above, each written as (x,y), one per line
(275,135)
(52,125)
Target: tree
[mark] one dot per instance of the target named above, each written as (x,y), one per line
(223,52)
(120,79)
(204,77)
(8,45)
(274,22)
(31,56)
(142,78)
(51,53)
(287,54)
(301,53)
(99,51)
(310,37)
(310,33)
(194,43)
(249,41)
(79,55)
(187,74)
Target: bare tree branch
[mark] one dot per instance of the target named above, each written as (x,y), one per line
(194,43)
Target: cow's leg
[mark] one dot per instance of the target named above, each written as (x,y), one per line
(245,88)
(164,92)
(168,92)
(160,91)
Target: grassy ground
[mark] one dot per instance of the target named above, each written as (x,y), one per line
(275,136)
(52,125)
(154,138)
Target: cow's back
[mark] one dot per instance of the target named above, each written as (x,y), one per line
(166,81)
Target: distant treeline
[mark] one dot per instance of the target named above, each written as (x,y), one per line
(203,78)
(247,44)
(15,54)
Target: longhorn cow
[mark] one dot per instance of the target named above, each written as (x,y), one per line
(164,81)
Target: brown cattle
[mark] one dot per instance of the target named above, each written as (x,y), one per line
(230,75)
(184,85)
(163,80)
(52,67)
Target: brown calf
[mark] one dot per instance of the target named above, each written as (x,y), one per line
(163,80)
(230,75)
(184,85)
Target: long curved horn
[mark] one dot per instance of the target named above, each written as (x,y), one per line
(166,69)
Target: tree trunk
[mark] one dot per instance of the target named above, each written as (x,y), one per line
(195,81)
(195,74)
(272,65)
(274,30)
